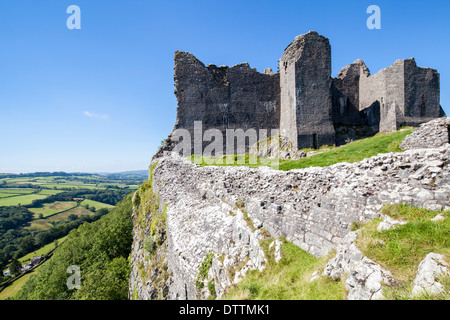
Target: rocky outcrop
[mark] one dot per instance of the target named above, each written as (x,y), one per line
(364,277)
(283,149)
(430,269)
(389,223)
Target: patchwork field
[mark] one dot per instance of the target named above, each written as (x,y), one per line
(21,199)
(78,211)
(97,205)
(42,208)
(49,209)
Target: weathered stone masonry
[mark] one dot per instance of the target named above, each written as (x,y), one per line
(301,100)
(314,208)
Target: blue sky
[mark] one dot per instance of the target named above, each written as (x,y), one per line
(101,98)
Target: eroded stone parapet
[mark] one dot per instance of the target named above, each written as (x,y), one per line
(431,134)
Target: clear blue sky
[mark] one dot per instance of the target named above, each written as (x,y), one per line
(101,98)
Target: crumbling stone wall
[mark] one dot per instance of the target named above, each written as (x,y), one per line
(408,95)
(421,93)
(236,97)
(346,94)
(314,208)
(302,100)
(433,134)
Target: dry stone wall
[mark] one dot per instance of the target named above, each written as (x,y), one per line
(314,208)
(432,134)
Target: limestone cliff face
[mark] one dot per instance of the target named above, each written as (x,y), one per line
(197,229)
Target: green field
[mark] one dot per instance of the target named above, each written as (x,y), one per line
(50,192)
(40,224)
(56,211)
(351,152)
(96,204)
(7,193)
(52,208)
(18,191)
(16,285)
(70,186)
(42,251)
(23,200)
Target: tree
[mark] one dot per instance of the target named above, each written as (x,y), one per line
(15,266)
(3,260)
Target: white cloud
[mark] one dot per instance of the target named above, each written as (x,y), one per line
(94,115)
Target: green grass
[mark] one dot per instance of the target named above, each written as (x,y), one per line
(61,211)
(50,192)
(23,200)
(406,245)
(288,279)
(71,185)
(39,224)
(78,211)
(49,209)
(96,204)
(42,251)
(8,194)
(401,249)
(17,191)
(236,160)
(351,152)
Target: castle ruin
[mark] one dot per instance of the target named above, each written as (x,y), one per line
(302,100)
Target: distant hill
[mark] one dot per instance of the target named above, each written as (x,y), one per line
(142,173)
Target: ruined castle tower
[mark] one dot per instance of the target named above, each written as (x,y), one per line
(407,94)
(305,84)
(302,100)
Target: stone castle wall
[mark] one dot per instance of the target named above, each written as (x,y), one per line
(236,97)
(313,208)
(421,93)
(305,69)
(302,100)
(407,95)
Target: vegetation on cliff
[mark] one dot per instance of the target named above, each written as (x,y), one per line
(288,279)
(399,250)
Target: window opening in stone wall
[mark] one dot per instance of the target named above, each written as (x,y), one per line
(422,105)
(448,130)
(315,141)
